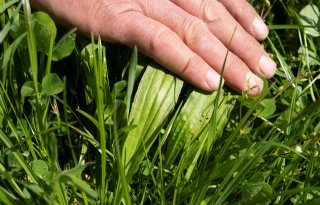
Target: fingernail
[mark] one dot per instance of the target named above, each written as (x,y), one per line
(267,66)
(254,84)
(260,29)
(213,80)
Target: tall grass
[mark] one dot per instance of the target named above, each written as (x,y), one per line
(85,122)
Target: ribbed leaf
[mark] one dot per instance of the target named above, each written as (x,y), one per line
(155,99)
(200,143)
(310,16)
(191,122)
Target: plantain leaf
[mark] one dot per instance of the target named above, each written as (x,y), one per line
(192,119)
(155,99)
(309,16)
(189,131)
(308,57)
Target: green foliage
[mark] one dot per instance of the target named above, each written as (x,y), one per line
(151,107)
(51,84)
(78,128)
(310,16)
(256,190)
(64,46)
(40,169)
(45,30)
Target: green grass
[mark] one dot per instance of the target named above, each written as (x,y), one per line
(82,121)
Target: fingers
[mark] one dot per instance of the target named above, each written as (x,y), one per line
(200,40)
(162,44)
(223,25)
(177,37)
(244,45)
(245,14)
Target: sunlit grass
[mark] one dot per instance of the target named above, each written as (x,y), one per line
(86,122)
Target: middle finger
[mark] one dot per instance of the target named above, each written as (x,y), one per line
(197,36)
(222,24)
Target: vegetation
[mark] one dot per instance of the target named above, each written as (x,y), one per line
(84,122)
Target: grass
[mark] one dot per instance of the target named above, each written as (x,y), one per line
(85,122)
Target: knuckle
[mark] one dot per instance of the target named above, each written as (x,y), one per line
(233,64)
(190,64)
(194,31)
(101,11)
(147,7)
(106,13)
(157,37)
(248,44)
(250,49)
(213,13)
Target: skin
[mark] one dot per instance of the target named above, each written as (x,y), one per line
(188,37)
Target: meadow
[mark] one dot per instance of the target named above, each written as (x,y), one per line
(88,122)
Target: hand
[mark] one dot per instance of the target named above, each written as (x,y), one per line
(189,37)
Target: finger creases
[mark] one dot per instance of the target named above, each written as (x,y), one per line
(246,15)
(166,47)
(209,44)
(230,22)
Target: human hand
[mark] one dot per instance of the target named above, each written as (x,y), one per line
(189,37)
